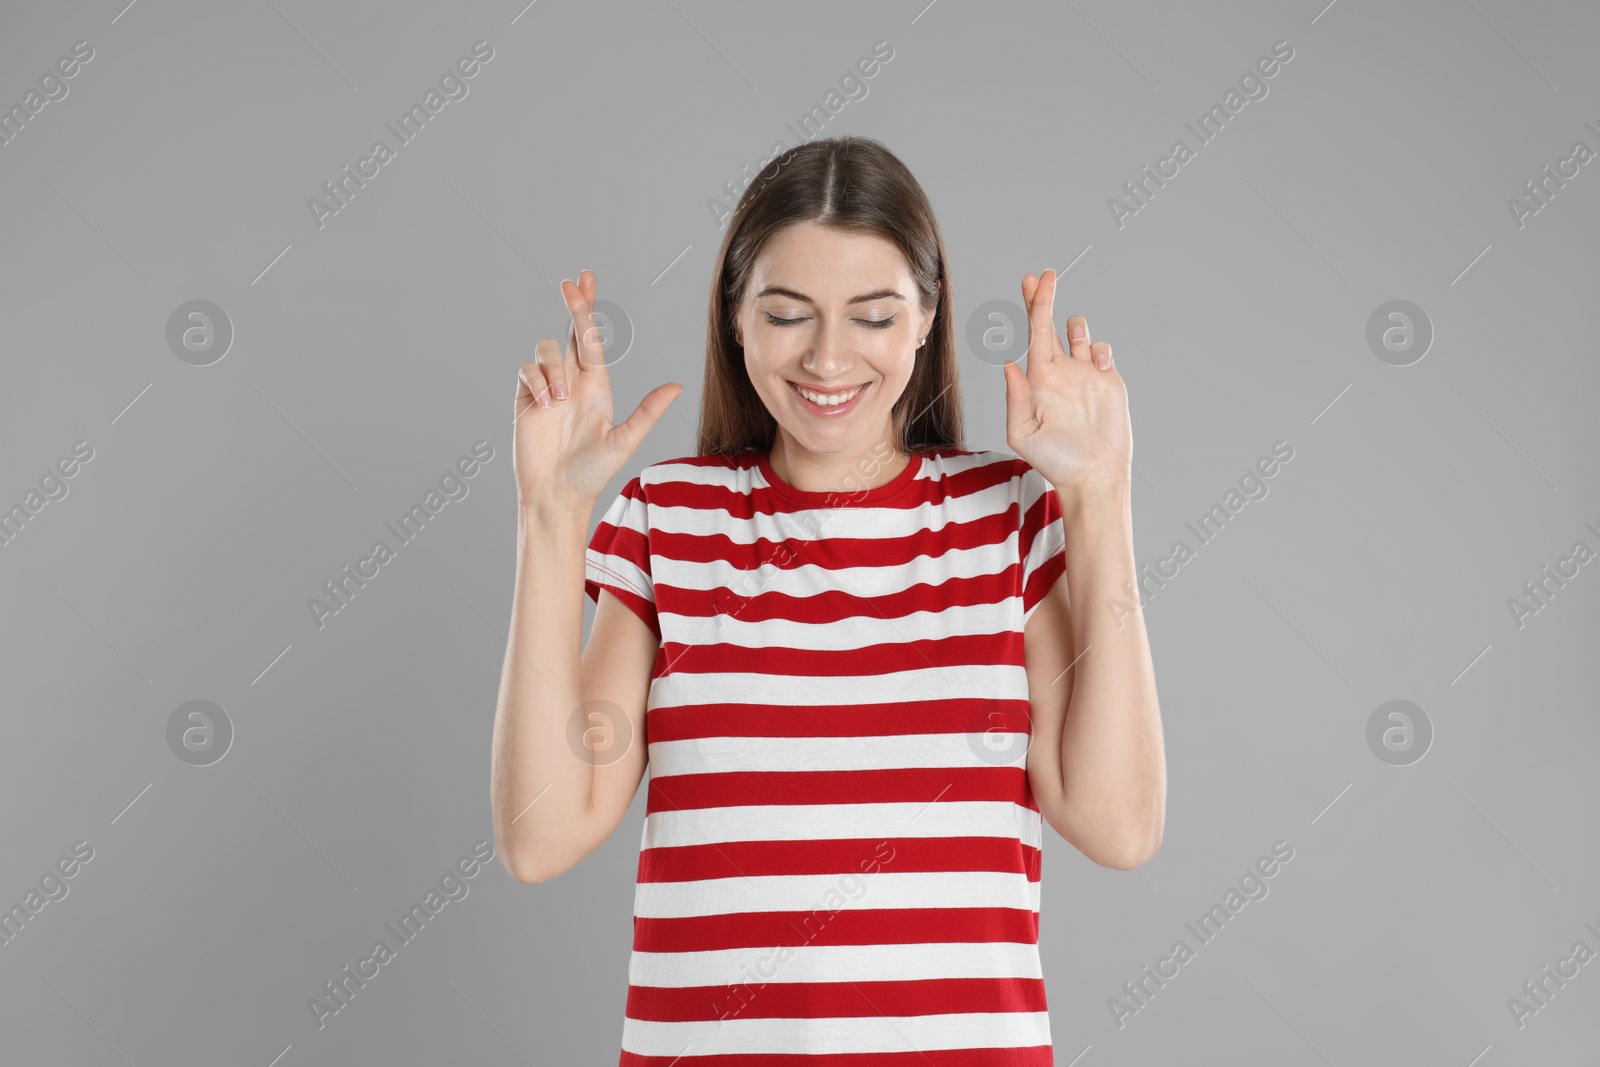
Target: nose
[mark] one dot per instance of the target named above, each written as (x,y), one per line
(829,356)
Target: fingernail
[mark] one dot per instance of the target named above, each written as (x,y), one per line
(544,398)
(560,389)
(1075,332)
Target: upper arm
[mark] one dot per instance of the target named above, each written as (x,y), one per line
(618,661)
(1048,651)
(614,677)
(1048,646)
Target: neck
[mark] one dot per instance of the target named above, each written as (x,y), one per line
(866,468)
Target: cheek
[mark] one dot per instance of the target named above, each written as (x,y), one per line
(765,377)
(900,373)
(762,372)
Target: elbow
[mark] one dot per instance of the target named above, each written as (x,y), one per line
(533,875)
(519,869)
(1120,846)
(532,863)
(530,869)
(1134,853)
(534,854)
(520,860)
(516,864)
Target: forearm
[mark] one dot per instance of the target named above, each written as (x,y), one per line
(1113,767)
(539,688)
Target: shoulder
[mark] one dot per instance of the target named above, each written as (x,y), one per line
(968,458)
(667,478)
(985,468)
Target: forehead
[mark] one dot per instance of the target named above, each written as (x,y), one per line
(829,264)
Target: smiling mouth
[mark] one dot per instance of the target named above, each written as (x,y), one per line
(827,401)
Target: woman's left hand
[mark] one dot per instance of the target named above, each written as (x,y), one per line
(1067,416)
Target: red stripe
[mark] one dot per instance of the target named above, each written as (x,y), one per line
(847,926)
(905,784)
(804,547)
(753,859)
(958,650)
(748,601)
(1035,1056)
(1040,581)
(762,501)
(636,603)
(777,999)
(954,715)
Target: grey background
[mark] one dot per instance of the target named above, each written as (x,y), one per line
(370,354)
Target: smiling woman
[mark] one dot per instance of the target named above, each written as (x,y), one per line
(830,355)
(842,640)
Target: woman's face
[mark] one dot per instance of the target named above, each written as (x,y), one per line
(835,313)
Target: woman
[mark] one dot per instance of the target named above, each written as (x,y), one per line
(866,688)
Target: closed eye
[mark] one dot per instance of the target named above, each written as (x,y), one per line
(876,324)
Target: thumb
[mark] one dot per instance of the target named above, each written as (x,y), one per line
(1019,400)
(630,433)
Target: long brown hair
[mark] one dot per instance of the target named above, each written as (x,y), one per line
(853,184)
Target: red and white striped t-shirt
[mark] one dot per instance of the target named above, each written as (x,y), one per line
(841,853)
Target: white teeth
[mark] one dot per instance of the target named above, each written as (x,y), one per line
(828,401)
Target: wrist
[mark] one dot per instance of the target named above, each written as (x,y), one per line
(1095,498)
(553,520)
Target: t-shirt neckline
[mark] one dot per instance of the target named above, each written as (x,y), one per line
(841,498)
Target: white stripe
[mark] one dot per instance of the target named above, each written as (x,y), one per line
(827,893)
(833,822)
(682,686)
(845,521)
(805,579)
(858,631)
(715,755)
(867,1033)
(812,524)
(836,963)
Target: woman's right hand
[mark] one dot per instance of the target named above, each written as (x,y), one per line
(566,451)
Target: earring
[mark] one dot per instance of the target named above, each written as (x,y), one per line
(922,342)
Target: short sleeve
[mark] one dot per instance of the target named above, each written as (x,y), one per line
(1042,539)
(618,555)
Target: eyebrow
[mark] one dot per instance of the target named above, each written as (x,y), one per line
(879,294)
